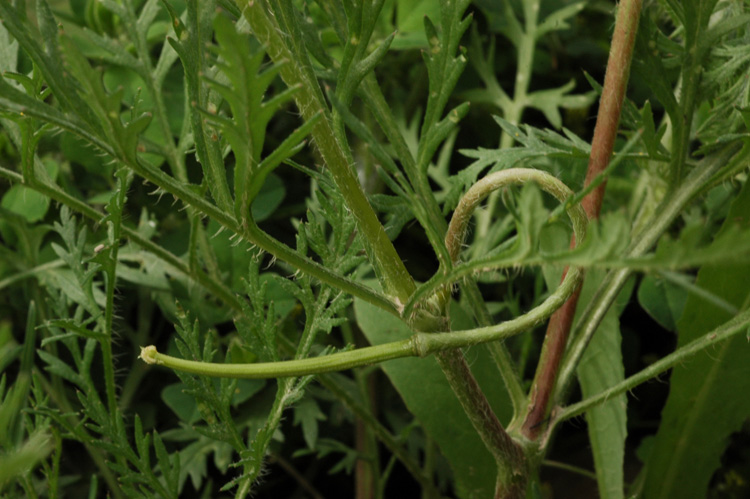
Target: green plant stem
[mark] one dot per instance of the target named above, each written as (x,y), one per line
(734,326)
(663,218)
(298,73)
(298,367)
(602,146)
(418,345)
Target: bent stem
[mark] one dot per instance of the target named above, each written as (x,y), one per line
(420,344)
(614,281)
(509,455)
(734,326)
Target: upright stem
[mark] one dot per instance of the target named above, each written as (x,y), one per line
(509,456)
(607,122)
(297,72)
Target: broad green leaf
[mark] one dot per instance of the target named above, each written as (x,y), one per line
(601,368)
(663,300)
(28,203)
(706,401)
(424,389)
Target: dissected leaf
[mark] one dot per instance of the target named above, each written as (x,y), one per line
(308,413)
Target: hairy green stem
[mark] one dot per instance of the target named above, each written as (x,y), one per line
(610,288)
(512,468)
(390,269)
(734,326)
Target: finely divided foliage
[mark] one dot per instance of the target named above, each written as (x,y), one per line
(218,187)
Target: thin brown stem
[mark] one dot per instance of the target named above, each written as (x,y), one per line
(605,132)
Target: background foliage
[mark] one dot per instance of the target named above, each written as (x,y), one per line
(173,176)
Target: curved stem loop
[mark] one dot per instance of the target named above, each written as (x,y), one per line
(420,344)
(457,229)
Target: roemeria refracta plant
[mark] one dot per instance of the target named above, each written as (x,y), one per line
(252,175)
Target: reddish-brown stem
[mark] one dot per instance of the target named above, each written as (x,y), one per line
(602,145)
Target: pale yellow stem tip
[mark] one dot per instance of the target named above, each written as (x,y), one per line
(148,354)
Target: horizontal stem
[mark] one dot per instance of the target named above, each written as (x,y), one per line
(298,367)
(418,345)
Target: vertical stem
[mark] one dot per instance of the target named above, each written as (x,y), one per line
(510,457)
(297,72)
(367,471)
(605,132)
(396,280)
